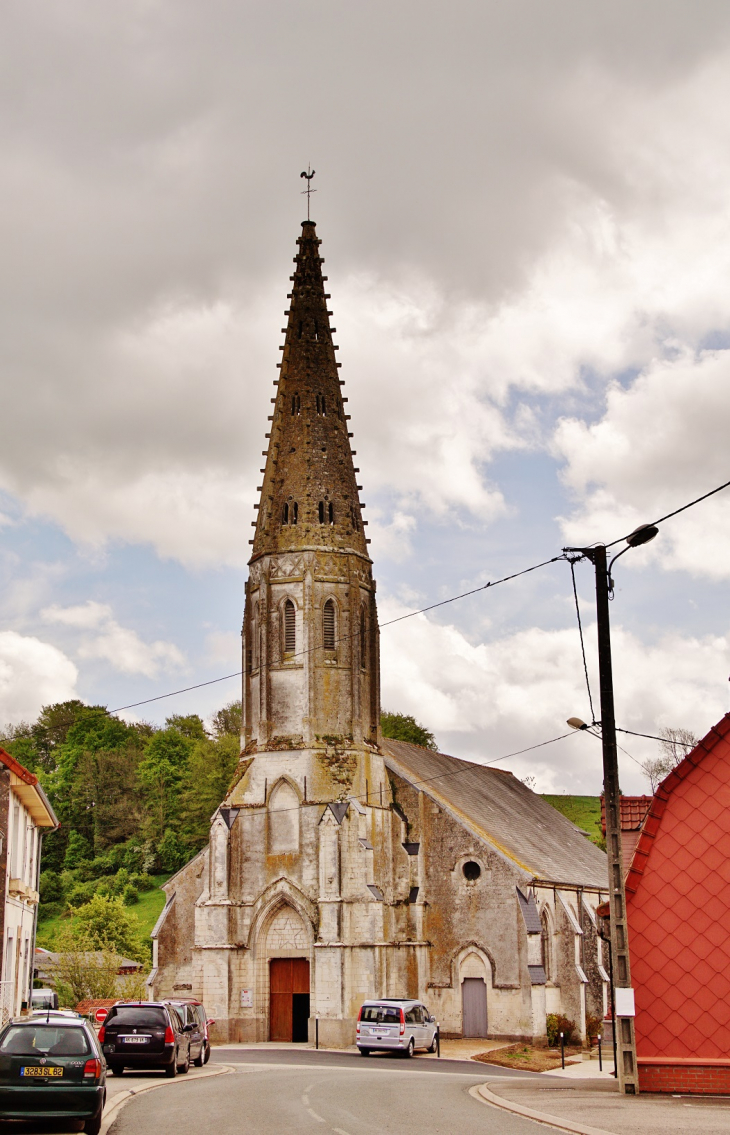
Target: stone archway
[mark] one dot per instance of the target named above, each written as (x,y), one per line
(286,953)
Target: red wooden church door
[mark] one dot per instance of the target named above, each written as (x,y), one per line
(289,999)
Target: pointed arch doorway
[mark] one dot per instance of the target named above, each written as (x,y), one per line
(289,999)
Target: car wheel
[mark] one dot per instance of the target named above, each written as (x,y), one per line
(183,1068)
(171,1070)
(93,1126)
(199,1060)
(364,1051)
(116,1069)
(432,1047)
(410,1049)
(207,1054)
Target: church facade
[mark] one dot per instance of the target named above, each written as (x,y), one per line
(342,865)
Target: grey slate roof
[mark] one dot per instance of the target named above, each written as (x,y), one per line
(503,811)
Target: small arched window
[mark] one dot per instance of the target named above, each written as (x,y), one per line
(328,625)
(321,405)
(285,513)
(545,943)
(296,404)
(290,627)
(363,639)
(321,512)
(254,645)
(331,512)
(294,513)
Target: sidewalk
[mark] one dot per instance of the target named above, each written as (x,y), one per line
(450,1049)
(592,1106)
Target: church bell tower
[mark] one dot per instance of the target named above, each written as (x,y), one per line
(310,637)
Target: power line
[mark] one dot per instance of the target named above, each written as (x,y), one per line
(582,643)
(664,740)
(345,638)
(676,511)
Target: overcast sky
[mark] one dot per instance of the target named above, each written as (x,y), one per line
(525,216)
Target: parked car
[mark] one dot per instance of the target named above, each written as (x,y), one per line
(51,1014)
(397,1025)
(52,1069)
(43,999)
(145,1034)
(193,1012)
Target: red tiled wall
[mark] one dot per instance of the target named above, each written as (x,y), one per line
(679,919)
(698,1079)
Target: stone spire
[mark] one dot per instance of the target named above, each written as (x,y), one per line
(309,496)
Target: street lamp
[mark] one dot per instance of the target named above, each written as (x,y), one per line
(627,1071)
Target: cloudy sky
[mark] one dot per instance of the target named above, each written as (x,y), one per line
(526,220)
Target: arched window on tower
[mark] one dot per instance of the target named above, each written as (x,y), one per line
(283,819)
(321,512)
(331,512)
(363,639)
(321,405)
(290,627)
(253,652)
(294,513)
(296,405)
(285,513)
(328,625)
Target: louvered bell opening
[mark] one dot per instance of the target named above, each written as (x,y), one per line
(328,622)
(290,628)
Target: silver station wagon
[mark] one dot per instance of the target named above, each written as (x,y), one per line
(395,1024)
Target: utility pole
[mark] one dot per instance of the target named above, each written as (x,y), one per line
(623,1023)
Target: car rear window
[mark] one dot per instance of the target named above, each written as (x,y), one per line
(138,1016)
(380,1015)
(45,1040)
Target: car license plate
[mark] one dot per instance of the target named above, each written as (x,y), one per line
(135,1039)
(32,1070)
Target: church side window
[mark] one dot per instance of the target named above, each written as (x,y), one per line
(545,944)
(290,627)
(296,405)
(321,406)
(253,653)
(328,625)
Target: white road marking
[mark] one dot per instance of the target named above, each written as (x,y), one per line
(340,1131)
(314,1115)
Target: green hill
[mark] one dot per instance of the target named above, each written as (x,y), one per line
(584,811)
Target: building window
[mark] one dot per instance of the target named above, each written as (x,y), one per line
(331,512)
(290,627)
(294,513)
(545,944)
(363,639)
(321,512)
(321,407)
(296,405)
(328,625)
(471,871)
(285,513)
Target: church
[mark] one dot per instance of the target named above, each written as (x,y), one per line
(343,865)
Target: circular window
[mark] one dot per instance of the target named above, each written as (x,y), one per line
(471,870)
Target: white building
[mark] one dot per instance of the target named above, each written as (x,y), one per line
(25,813)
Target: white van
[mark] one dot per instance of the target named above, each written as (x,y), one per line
(395,1024)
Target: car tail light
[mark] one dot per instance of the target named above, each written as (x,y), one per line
(402,1022)
(169,1035)
(92,1068)
(101,1036)
(359,1015)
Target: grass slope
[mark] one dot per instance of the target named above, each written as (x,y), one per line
(147,910)
(584,811)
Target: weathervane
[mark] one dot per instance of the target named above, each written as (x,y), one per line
(309,175)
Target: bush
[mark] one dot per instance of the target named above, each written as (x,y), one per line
(50,910)
(130,895)
(50,887)
(594,1026)
(81,893)
(78,850)
(143,882)
(557,1025)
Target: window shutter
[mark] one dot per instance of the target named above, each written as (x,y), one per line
(290,628)
(329,625)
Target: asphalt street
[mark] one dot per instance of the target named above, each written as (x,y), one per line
(277,1093)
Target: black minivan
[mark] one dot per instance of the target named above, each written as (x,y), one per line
(145,1034)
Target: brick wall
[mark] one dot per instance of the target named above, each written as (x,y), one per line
(710,1078)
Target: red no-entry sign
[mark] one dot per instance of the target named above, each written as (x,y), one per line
(100,1016)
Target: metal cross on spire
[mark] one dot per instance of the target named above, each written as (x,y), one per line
(309,174)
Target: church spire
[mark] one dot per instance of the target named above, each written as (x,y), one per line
(309,496)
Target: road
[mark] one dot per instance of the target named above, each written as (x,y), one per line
(274,1093)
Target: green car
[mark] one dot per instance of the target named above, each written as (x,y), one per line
(52,1068)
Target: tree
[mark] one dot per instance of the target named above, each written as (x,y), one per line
(78,851)
(207,778)
(105,923)
(161,772)
(81,973)
(227,721)
(674,747)
(190,726)
(404,727)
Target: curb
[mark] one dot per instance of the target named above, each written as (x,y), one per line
(116,1105)
(482,1093)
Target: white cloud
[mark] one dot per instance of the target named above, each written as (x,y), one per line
(484,700)
(661,443)
(120,646)
(32,674)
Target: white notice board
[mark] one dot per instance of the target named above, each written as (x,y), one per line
(624,1000)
